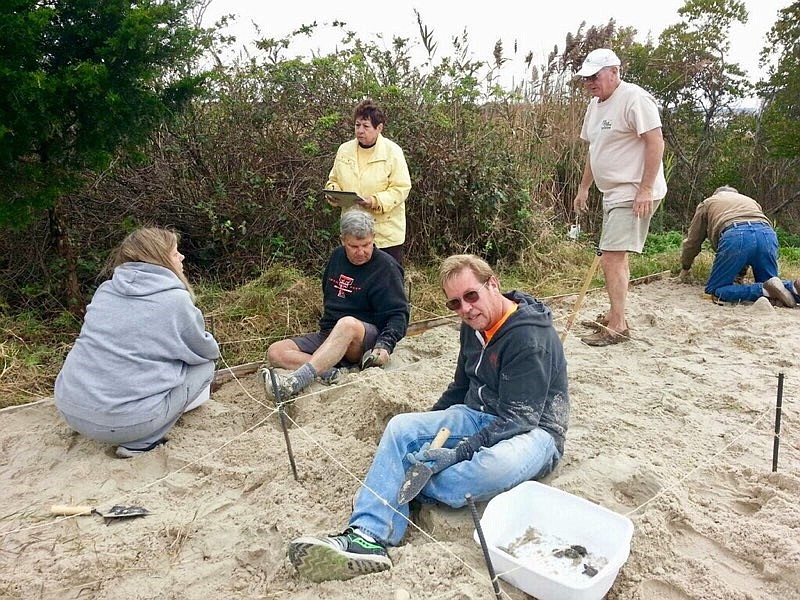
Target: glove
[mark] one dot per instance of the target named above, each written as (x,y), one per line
(369,359)
(438,458)
(376,357)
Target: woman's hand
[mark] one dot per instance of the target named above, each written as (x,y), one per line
(370,203)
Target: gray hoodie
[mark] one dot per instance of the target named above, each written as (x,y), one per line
(140,333)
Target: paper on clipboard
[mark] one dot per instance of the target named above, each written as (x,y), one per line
(343,199)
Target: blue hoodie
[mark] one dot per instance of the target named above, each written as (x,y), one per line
(140,333)
(520,376)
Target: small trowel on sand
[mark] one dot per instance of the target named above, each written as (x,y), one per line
(418,475)
(115,512)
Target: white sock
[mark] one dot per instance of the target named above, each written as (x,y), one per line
(201,398)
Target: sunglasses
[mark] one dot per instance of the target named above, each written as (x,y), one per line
(471,296)
(591,77)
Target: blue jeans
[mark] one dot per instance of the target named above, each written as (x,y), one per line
(746,244)
(491,471)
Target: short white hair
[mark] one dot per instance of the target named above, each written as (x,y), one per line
(358,224)
(725,188)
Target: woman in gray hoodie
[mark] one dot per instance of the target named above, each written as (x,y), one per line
(143,356)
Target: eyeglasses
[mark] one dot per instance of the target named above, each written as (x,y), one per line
(593,77)
(471,296)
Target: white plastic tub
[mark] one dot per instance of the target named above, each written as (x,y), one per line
(524,526)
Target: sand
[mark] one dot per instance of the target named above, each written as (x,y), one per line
(673,429)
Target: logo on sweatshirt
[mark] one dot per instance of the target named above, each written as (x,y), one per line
(345,285)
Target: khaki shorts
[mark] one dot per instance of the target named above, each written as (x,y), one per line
(622,230)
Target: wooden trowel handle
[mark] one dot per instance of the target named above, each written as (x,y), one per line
(440,438)
(67,510)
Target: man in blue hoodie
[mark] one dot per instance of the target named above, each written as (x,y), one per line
(507,411)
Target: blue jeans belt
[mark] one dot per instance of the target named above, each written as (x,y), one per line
(739,224)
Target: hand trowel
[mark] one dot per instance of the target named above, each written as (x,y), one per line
(418,475)
(115,512)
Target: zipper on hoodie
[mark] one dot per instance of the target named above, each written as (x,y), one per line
(477,366)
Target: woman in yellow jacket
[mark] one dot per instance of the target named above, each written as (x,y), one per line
(375,168)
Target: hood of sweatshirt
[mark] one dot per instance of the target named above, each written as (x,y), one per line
(143,279)
(530,311)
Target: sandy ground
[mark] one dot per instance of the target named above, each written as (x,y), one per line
(673,429)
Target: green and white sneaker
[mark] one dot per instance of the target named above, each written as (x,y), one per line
(337,557)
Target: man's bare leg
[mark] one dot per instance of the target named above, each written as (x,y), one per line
(286,355)
(345,340)
(617,274)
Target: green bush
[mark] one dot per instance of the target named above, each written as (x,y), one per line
(657,243)
(787,239)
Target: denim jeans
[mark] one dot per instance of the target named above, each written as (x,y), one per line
(491,471)
(746,244)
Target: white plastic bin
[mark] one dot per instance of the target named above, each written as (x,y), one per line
(555,519)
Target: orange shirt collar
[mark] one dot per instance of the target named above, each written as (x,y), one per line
(491,331)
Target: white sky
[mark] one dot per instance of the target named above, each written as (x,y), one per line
(534,26)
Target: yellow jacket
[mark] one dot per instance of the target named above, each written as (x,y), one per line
(385,177)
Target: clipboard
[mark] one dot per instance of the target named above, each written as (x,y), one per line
(343,199)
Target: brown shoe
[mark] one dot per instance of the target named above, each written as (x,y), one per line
(598,324)
(776,290)
(606,337)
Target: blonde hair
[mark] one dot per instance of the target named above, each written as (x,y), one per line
(149,245)
(453,265)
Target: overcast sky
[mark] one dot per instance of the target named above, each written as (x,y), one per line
(532,27)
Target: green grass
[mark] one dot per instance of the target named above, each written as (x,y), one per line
(282,301)
(658,243)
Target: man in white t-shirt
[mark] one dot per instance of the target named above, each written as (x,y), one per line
(623,128)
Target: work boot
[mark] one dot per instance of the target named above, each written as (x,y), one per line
(776,290)
(338,557)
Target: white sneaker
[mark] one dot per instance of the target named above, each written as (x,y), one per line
(125,452)
(284,385)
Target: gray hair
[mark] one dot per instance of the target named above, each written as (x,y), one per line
(725,188)
(357,224)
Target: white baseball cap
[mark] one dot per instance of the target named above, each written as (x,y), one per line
(596,60)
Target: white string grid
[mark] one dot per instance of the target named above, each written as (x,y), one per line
(332,457)
(274,410)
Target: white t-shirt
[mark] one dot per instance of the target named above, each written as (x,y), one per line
(614,131)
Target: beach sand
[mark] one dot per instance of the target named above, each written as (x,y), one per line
(674,429)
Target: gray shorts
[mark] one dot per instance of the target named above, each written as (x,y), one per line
(623,231)
(310,342)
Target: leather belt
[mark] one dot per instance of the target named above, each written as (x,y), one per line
(739,224)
